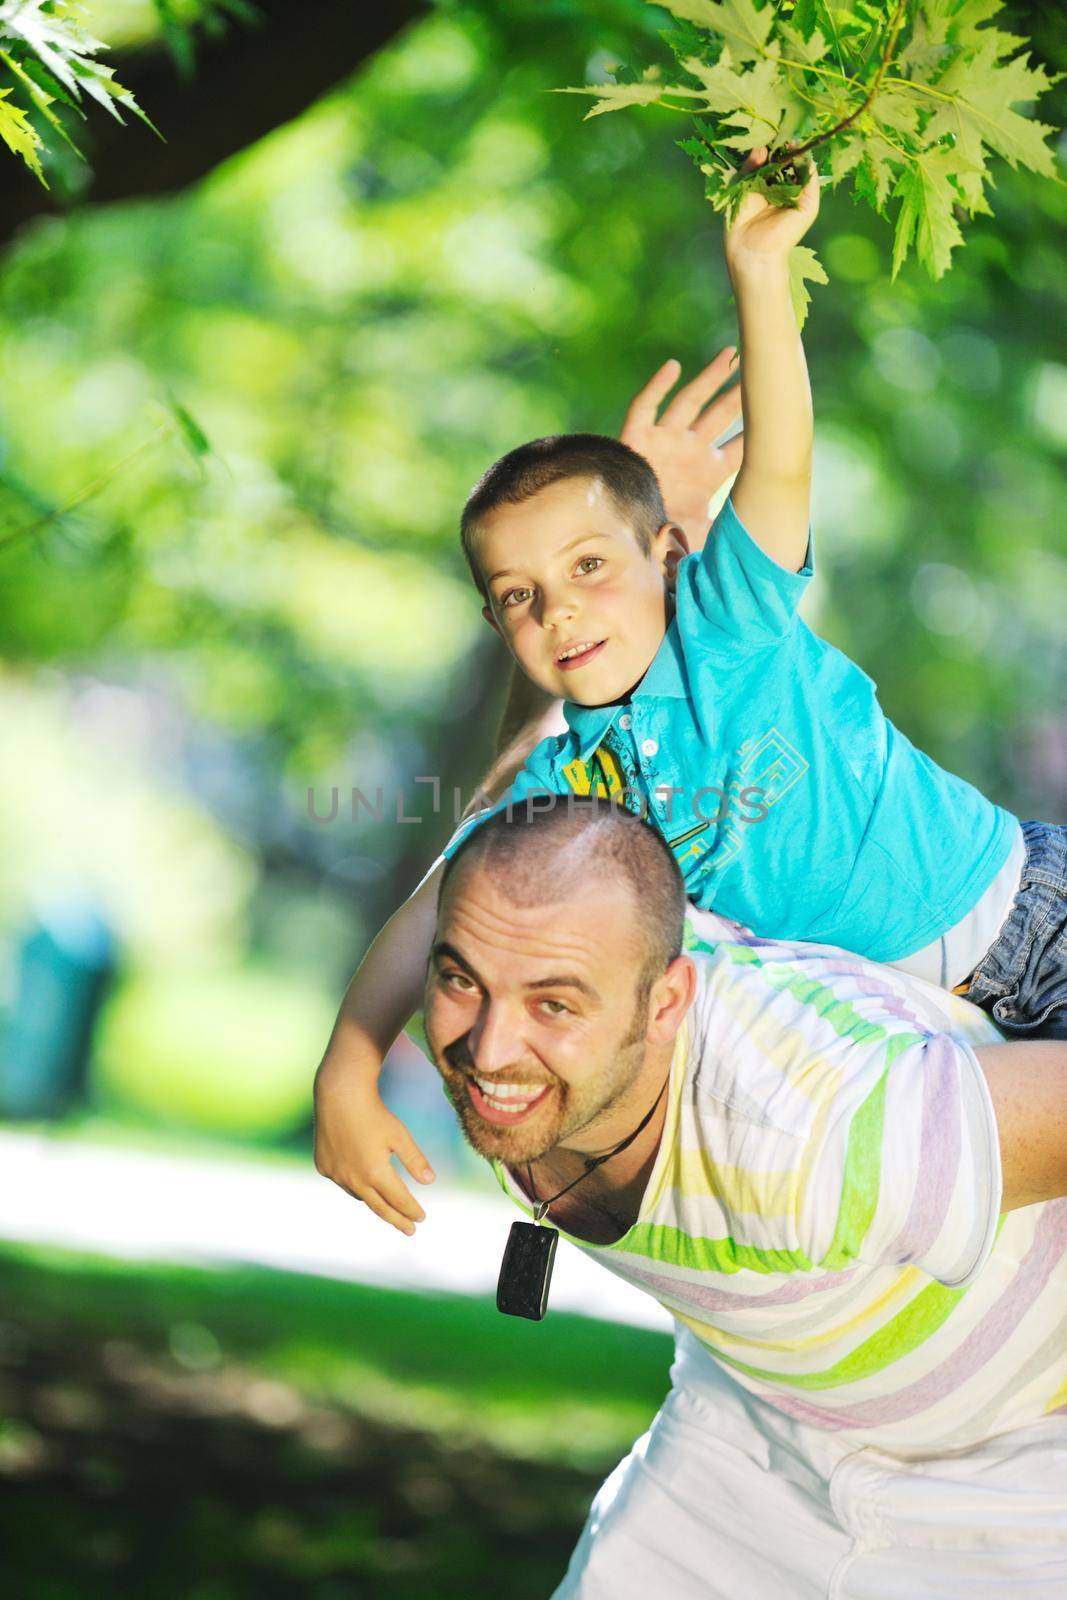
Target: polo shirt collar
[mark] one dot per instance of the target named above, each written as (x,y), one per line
(665,679)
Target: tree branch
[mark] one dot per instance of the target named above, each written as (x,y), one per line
(788,156)
(246,83)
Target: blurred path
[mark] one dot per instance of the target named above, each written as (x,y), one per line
(147,1206)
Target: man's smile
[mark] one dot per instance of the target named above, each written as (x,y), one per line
(505,1103)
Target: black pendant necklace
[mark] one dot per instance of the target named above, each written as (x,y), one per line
(526,1270)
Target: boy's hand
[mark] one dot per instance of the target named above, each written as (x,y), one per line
(680,447)
(355,1134)
(761,232)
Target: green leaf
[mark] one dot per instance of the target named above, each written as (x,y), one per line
(846,153)
(757,106)
(192,433)
(616,96)
(41,99)
(983,91)
(897,112)
(100,83)
(805,17)
(742,25)
(19,134)
(804,268)
(50,33)
(45,80)
(808,50)
(876,173)
(927,213)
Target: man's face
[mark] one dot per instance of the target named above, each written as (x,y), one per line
(533,1014)
(576,600)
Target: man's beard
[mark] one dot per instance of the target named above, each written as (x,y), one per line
(569,1108)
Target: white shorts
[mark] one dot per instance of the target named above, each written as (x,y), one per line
(725,1497)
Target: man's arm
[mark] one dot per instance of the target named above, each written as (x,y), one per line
(681,445)
(773,490)
(1028,1085)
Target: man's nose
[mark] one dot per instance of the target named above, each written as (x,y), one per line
(495,1041)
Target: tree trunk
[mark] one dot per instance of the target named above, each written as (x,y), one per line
(246,83)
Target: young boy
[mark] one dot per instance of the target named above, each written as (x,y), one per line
(694,692)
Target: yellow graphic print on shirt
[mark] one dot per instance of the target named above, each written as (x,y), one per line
(766,769)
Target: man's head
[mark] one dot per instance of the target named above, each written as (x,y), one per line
(568,540)
(556,983)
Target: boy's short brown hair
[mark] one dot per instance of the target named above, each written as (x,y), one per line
(627,477)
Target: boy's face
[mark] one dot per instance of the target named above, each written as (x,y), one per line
(576,600)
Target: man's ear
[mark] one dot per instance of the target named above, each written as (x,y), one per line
(487,613)
(670,547)
(669,1000)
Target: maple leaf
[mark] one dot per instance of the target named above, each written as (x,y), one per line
(804,268)
(808,50)
(753,103)
(924,52)
(845,155)
(616,96)
(742,25)
(19,134)
(913,103)
(983,89)
(897,113)
(42,99)
(927,213)
(876,173)
(957,23)
(48,29)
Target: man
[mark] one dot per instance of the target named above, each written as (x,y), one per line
(848,1194)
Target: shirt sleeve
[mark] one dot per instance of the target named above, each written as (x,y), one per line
(738,588)
(538,783)
(905,1167)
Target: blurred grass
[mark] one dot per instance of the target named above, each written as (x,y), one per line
(570,1389)
(235,1435)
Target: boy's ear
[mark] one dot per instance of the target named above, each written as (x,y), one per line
(489,617)
(671,547)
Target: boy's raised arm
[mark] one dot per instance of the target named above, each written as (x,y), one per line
(773,489)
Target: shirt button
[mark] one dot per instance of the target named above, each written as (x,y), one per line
(649,747)
(626,722)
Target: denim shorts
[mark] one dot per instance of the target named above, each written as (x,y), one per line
(1022,978)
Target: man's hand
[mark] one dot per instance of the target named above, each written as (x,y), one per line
(680,447)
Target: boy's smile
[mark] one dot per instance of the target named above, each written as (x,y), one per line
(582,608)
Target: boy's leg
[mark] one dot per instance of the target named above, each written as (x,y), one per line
(1022,978)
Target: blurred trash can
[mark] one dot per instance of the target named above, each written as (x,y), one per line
(66,962)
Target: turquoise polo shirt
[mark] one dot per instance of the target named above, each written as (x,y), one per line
(760,753)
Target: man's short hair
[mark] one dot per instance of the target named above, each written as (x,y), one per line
(629,481)
(540,857)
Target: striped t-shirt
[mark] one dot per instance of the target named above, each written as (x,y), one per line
(823,1212)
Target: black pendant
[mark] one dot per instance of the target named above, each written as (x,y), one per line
(526,1271)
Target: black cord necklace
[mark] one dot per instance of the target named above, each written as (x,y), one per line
(526,1270)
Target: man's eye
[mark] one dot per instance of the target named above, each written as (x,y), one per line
(516,597)
(590,563)
(457,980)
(556,1008)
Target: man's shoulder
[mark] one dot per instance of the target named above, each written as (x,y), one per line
(780,1029)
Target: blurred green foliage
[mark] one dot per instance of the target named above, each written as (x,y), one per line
(220,1050)
(363,311)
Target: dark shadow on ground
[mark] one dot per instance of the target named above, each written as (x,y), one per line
(171,1433)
